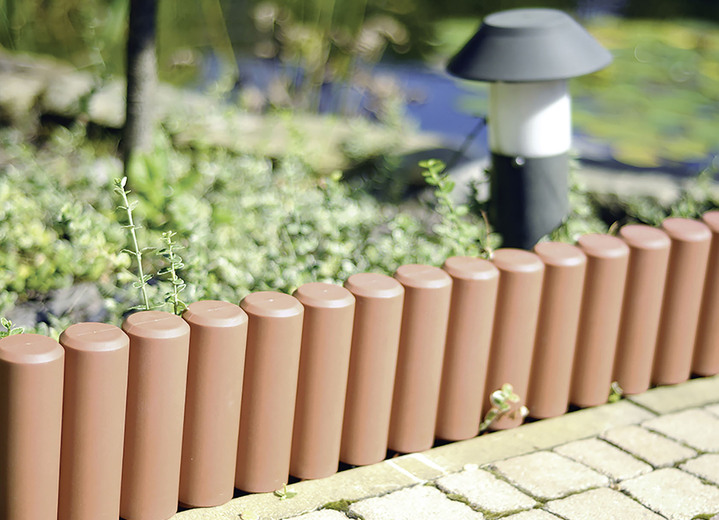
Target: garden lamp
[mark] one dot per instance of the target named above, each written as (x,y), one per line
(528,55)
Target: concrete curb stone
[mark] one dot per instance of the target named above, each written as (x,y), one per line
(675,398)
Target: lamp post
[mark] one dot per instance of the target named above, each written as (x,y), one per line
(528,55)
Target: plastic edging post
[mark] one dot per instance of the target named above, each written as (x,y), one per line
(688,257)
(604,281)
(159,345)
(322,383)
(274,336)
(706,349)
(96,366)
(31,386)
(373,362)
(471,316)
(419,361)
(515,325)
(639,325)
(554,346)
(218,335)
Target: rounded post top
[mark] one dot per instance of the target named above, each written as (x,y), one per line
(30,349)
(326,295)
(374,285)
(470,268)
(421,276)
(523,45)
(560,254)
(517,260)
(94,337)
(272,304)
(711,219)
(686,230)
(214,313)
(155,324)
(644,237)
(598,245)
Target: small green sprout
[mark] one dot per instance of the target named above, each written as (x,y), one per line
(10,330)
(502,401)
(615,393)
(284,493)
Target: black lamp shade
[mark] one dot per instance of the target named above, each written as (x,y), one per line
(523,45)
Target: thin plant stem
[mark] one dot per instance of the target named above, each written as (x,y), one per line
(137,252)
(174,264)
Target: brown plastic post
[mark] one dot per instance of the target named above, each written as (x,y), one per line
(471,316)
(218,334)
(639,325)
(274,336)
(159,345)
(322,383)
(554,345)
(607,260)
(96,364)
(373,361)
(515,326)
(419,362)
(31,382)
(706,349)
(687,268)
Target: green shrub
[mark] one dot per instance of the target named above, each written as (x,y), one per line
(245,223)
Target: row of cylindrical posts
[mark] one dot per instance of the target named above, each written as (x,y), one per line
(130,421)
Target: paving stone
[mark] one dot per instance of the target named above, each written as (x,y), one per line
(705,466)
(325,514)
(605,458)
(674,494)
(547,475)
(534,514)
(697,428)
(600,504)
(485,491)
(651,447)
(415,503)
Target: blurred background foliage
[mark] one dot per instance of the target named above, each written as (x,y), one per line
(657,104)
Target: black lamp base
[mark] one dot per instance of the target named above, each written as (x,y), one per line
(529,197)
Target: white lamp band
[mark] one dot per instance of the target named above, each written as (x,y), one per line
(530,119)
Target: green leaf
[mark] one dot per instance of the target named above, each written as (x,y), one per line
(284,493)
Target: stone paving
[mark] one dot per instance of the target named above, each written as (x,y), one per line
(649,457)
